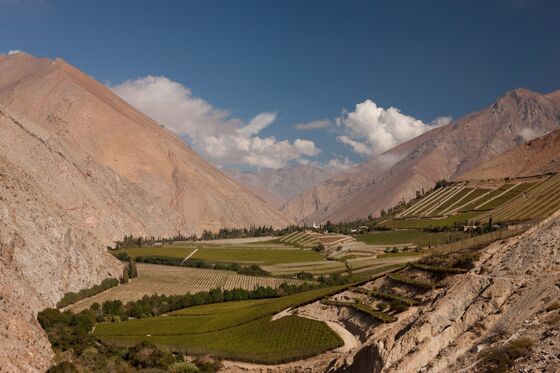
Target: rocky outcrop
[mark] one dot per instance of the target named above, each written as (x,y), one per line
(492,304)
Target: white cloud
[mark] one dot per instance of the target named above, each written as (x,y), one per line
(372,130)
(339,163)
(441,121)
(14,51)
(313,125)
(357,146)
(214,132)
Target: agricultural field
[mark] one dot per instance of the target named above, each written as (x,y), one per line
(357,265)
(172,280)
(241,330)
(417,238)
(466,197)
(261,254)
(538,202)
(419,223)
(309,239)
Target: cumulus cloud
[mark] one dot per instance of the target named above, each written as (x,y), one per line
(219,136)
(313,125)
(358,147)
(14,51)
(371,130)
(339,163)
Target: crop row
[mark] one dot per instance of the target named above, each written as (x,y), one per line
(420,284)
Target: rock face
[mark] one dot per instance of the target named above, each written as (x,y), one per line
(79,168)
(443,153)
(502,299)
(278,186)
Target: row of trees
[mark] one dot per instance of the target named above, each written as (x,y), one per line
(223,233)
(131,272)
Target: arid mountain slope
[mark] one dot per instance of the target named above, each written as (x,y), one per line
(442,153)
(86,115)
(535,157)
(278,186)
(79,168)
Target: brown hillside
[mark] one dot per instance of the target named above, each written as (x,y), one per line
(535,157)
(79,168)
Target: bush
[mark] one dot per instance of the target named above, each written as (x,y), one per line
(438,270)
(182,367)
(304,276)
(553,306)
(501,359)
(64,367)
(147,355)
(72,297)
(466,261)
(425,285)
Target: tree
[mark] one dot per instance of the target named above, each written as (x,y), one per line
(132,271)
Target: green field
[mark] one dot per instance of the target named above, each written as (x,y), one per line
(240,255)
(428,223)
(240,330)
(416,237)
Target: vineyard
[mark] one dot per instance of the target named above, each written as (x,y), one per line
(240,330)
(356,265)
(538,202)
(469,197)
(409,238)
(310,240)
(469,201)
(170,280)
(261,254)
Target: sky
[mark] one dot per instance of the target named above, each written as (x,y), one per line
(267,84)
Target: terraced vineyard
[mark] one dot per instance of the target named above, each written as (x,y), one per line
(357,265)
(240,330)
(170,280)
(416,238)
(309,239)
(506,201)
(537,202)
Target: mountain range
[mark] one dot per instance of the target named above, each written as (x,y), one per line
(277,186)
(443,153)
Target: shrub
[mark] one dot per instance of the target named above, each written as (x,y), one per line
(424,285)
(438,270)
(553,306)
(72,297)
(500,359)
(182,367)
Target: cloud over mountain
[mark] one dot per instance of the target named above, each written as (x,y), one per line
(372,130)
(219,136)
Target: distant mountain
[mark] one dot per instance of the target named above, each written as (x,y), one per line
(442,153)
(276,186)
(79,168)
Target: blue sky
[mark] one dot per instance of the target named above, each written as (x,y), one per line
(298,62)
